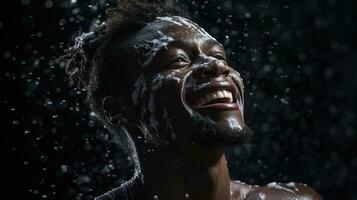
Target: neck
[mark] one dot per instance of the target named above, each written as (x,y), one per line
(193,172)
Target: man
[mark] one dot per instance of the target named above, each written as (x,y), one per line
(164,82)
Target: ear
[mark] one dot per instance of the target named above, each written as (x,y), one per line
(116,110)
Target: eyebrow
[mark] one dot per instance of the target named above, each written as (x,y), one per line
(185,43)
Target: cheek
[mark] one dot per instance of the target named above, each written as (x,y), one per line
(151,93)
(161,85)
(166,87)
(237,78)
(155,95)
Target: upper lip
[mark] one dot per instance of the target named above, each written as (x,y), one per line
(195,94)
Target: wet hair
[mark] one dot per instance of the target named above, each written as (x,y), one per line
(93,64)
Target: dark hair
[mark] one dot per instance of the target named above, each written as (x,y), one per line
(91,64)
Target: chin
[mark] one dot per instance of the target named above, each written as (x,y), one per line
(205,131)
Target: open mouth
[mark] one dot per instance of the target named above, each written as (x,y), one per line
(219,95)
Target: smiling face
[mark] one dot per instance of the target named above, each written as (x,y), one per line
(187,93)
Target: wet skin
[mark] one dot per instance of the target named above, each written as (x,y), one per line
(187,69)
(184,71)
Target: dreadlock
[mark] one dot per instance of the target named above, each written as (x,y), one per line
(93,65)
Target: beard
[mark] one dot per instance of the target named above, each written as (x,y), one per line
(206,132)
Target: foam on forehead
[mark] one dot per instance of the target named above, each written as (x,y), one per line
(181,21)
(161,40)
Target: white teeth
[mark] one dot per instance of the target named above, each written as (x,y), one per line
(226,93)
(215,95)
(220,94)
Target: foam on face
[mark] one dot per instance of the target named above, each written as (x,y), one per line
(233,123)
(145,95)
(154,46)
(146,90)
(162,40)
(239,81)
(181,21)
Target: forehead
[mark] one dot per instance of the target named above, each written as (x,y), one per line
(174,28)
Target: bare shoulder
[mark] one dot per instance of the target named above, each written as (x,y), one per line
(240,190)
(284,191)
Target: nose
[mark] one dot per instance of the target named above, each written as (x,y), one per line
(210,67)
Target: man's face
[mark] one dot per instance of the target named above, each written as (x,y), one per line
(187,93)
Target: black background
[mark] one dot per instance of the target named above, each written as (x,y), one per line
(298,59)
